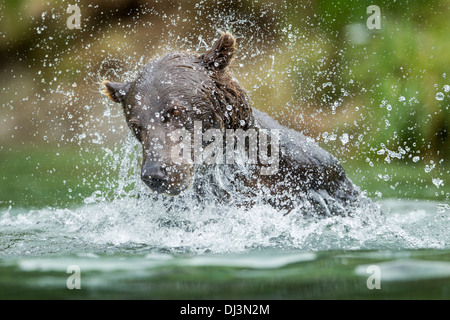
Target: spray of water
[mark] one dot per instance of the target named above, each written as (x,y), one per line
(123,214)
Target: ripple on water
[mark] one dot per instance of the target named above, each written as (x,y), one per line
(408,269)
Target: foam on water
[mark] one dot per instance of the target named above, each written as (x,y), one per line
(145,225)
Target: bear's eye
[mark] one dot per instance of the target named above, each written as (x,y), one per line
(135,128)
(174,112)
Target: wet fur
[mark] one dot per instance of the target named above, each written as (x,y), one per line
(307,173)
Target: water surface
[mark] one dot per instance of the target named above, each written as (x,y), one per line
(129,249)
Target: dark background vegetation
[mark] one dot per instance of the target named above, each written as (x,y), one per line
(377,99)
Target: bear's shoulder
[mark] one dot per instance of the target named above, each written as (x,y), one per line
(298,148)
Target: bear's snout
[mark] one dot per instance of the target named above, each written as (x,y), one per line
(155,177)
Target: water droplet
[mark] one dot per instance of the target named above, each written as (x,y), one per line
(438,182)
(344,138)
(429,168)
(416,158)
(401,98)
(242,122)
(439,96)
(446,88)
(229,107)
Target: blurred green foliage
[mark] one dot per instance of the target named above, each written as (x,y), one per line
(392,74)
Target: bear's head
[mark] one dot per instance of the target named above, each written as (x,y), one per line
(172,93)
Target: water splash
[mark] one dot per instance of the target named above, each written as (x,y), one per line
(145,225)
(123,214)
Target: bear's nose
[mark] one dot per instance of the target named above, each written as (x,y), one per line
(154,177)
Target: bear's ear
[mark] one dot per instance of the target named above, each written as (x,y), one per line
(115,91)
(221,53)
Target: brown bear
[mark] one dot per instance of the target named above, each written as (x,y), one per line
(195,94)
